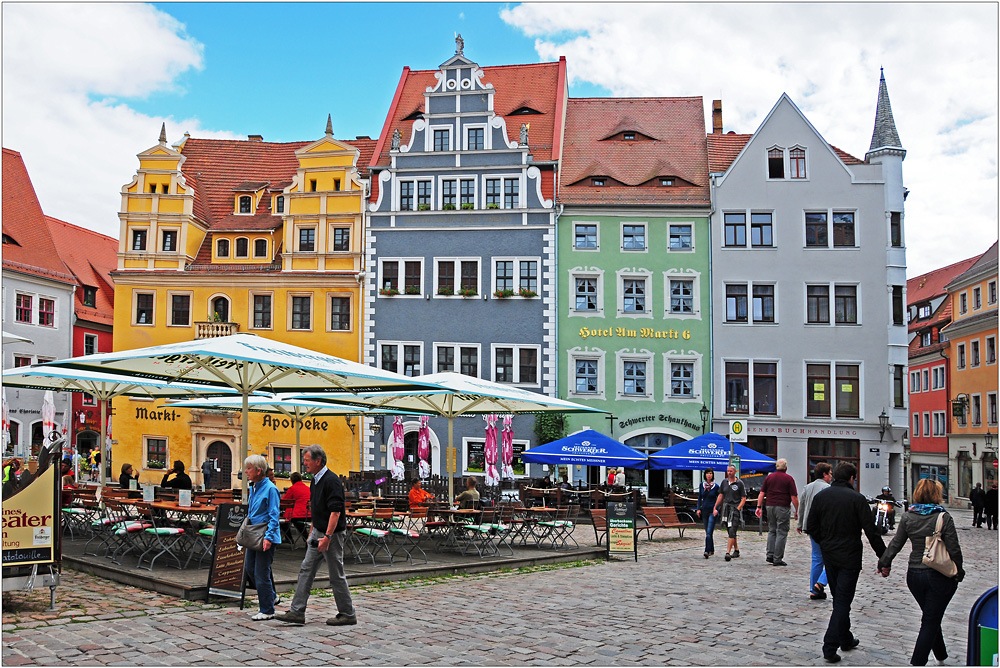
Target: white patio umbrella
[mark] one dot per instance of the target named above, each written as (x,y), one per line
(103,387)
(14,338)
(246,363)
(296,410)
(48,416)
(457,394)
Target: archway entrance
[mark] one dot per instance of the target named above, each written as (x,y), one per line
(85,442)
(217,450)
(410,459)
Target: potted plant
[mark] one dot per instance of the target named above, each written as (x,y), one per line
(494,205)
(468,292)
(413,290)
(468,206)
(448,207)
(423,207)
(527,294)
(389,292)
(503,294)
(446,291)
(155,464)
(283,474)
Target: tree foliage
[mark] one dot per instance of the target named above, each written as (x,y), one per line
(549,427)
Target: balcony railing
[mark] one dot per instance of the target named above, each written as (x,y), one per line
(210,330)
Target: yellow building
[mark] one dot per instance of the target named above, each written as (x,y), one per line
(972,337)
(225,236)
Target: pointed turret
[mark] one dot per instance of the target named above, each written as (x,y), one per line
(329,125)
(885,135)
(163,133)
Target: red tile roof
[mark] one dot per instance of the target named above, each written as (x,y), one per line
(676,126)
(33,252)
(932,284)
(534,85)
(256,223)
(91,257)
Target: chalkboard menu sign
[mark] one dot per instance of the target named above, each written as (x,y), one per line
(621,529)
(225,578)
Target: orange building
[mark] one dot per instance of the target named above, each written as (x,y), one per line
(972,336)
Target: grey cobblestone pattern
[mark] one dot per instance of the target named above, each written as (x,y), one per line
(673,607)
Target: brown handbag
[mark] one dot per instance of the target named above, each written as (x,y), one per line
(936,554)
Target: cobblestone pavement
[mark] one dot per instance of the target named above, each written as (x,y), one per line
(673,607)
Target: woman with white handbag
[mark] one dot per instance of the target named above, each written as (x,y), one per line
(934,568)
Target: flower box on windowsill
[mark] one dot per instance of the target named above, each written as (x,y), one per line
(468,292)
(492,206)
(503,294)
(412,291)
(448,207)
(468,206)
(156,465)
(423,207)
(388,292)
(527,294)
(446,292)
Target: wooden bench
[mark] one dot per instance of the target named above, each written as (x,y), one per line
(600,520)
(665,517)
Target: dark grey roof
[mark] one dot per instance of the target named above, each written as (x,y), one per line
(885,134)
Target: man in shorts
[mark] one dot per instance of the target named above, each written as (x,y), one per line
(732,499)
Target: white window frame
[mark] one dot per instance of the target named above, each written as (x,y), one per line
(329,311)
(925,375)
(239,199)
(163,235)
(914,382)
(991,293)
(236,242)
(963,303)
(937,377)
(145,450)
(977,295)
(976,410)
(961,361)
(915,426)
(597,226)
(88,337)
(645,236)
(229,248)
(56,310)
(458,276)
(832,367)
(170,307)
(572,355)
(939,423)
(288,310)
(986,349)
(250,317)
(580,272)
(679,223)
(399,346)
(927,425)
(475,126)
(788,164)
(633,355)
(456,348)
(975,354)
(516,260)
(297,237)
(503,177)
(135,305)
(401,267)
(331,236)
(517,348)
(784,163)
(634,274)
(266,247)
(831,304)
(695,278)
(689,357)
(991,408)
(431,129)
(131,238)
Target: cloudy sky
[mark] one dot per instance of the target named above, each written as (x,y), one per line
(86,87)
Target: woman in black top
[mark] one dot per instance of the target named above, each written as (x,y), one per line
(181,480)
(127,476)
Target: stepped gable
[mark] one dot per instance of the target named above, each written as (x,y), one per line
(517,86)
(32,250)
(219,166)
(91,257)
(670,142)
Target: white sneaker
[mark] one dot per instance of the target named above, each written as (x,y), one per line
(262,616)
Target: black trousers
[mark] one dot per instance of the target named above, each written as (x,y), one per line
(843,584)
(977,516)
(933,592)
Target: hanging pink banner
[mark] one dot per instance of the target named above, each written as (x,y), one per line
(424,448)
(490,450)
(507,440)
(398,451)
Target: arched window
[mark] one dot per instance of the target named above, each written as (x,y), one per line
(242,247)
(260,248)
(222,248)
(776,163)
(220,309)
(797,163)
(245,204)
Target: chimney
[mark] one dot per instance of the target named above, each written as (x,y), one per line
(255,137)
(716,117)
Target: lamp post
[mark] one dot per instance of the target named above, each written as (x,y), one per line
(884,426)
(704,416)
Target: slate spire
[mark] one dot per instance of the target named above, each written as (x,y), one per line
(885,135)
(163,133)
(329,125)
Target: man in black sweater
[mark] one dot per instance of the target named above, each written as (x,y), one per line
(836,519)
(326,541)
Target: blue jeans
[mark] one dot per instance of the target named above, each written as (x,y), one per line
(259,565)
(843,585)
(818,572)
(932,592)
(708,519)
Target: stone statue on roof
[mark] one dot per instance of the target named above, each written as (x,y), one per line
(397,137)
(459,44)
(524,134)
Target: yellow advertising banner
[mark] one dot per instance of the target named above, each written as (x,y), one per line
(29,522)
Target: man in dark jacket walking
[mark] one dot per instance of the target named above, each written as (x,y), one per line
(837,517)
(977,497)
(991,507)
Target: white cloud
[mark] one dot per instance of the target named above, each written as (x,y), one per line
(940,64)
(63,76)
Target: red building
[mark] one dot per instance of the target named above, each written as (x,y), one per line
(929,383)
(90,257)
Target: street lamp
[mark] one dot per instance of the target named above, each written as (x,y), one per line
(884,426)
(704,416)
(988,439)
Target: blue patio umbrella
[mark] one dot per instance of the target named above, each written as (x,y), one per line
(588,448)
(709,450)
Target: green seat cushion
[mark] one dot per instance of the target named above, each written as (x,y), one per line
(376,533)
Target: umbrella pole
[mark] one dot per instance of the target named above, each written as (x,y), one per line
(244,444)
(451,474)
(104,440)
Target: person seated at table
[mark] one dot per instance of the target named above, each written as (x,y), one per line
(128,474)
(546,483)
(299,494)
(68,485)
(180,479)
(565,484)
(418,494)
(468,499)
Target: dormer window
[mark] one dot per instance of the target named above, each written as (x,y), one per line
(628,136)
(242,247)
(222,248)
(245,203)
(775,163)
(797,163)
(279,204)
(597,182)
(666,182)
(89,296)
(260,248)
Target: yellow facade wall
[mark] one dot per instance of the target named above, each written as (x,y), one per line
(171,205)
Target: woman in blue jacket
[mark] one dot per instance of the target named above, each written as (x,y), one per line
(264,507)
(708,492)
